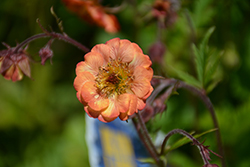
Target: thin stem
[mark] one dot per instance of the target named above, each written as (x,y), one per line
(201,94)
(54,35)
(194,140)
(144,136)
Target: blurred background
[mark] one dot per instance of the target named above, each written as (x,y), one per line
(42,122)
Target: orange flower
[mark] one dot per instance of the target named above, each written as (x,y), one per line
(93,12)
(114,80)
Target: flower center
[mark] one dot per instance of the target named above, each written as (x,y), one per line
(114,78)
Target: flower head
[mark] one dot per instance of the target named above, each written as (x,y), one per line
(165,11)
(14,65)
(92,12)
(114,80)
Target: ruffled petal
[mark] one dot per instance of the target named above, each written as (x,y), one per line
(114,45)
(123,116)
(82,78)
(127,103)
(83,67)
(92,113)
(141,83)
(103,50)
(137,48)
(98,103)
(88,92)
(149,93)
(125,51)
(141,73)
(93,62)
(141,104)
(140,60)
(112,112)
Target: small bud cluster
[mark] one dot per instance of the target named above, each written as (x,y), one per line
(13,64)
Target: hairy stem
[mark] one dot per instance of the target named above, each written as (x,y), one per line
(52,35)
(184,133)
(201,94)
(144,136)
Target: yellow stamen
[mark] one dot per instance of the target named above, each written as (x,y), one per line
(114,78)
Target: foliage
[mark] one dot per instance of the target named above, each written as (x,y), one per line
(42,124)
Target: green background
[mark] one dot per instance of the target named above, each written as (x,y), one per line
(42,122)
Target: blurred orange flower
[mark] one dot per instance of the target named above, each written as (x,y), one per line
(114,80)
(93,12)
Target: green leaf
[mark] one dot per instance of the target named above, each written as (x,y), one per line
(201,56)
(185,140)
(199,62)
(187,78)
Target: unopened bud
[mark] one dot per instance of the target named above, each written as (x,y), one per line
(46,53)
(157,51)
(14,65)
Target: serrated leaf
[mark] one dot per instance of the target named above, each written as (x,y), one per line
(206,38)
(199,62)
(185,140)
(213,63)
(201,56)
(187,78)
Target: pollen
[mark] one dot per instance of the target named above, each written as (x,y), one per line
(114,79)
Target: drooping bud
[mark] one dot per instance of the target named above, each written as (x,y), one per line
(14,65)
(157,51)
(165,11)
(46,53)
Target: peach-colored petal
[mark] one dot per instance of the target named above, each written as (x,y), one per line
(93,61)
(141,84)
(141,73)
(127,103)
(82,78)
(98,103)
(149,93)
(111,112)
(100,117)
(136,48)
(126,51)
(79,97)
(140,104)
(88,91)
(91,112)
(140,60)
(114,45)
(123,116)
(103,50)
(140,89)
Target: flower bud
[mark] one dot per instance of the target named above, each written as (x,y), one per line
(157,51)
(165,11)
(46,53)
(14,65)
